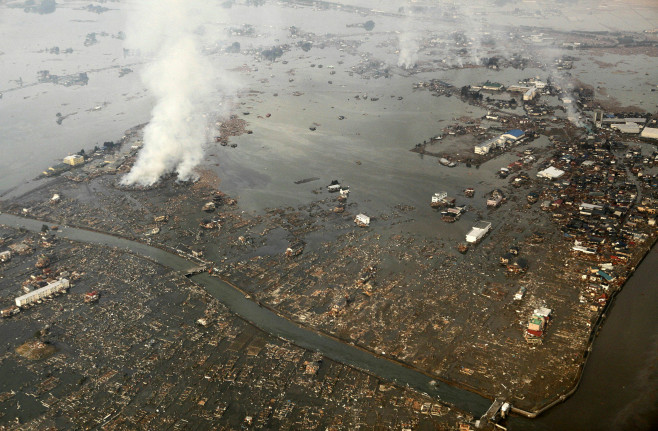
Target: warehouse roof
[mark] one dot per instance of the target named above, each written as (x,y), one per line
(649,132)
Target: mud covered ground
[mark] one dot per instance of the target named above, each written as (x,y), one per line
(421,303)
(138,358)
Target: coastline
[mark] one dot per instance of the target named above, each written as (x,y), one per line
(590,345)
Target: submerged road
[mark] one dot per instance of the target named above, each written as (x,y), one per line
(272,323)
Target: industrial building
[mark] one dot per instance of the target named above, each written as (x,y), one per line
(492,86)
(649,133)
(513,135)
(550,173)
(623,124)
(530,94)
(501,141)
(74,160)
(630,128)
(484,148)
(53,288)
(608,121)
(478,232)
(518,88)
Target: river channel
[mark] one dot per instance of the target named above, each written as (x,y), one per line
(273,324)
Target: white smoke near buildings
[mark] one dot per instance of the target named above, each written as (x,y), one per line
(561,81)
(180,78)
(408,44)
(408,56)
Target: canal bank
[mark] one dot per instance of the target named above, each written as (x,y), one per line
(273,324)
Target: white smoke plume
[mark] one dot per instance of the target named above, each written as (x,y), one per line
(408,56)
(182,81)
(560,79)
(408,40)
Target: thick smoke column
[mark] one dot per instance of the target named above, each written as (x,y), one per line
(561,80)
(408,56)
(408,41)
(182,81)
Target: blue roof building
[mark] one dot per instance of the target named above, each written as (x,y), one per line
(516,133)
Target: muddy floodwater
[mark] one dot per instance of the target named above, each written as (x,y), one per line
(340,108)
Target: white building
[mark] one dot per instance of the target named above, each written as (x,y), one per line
(530,94)
(478,232)
(439,197)
(588,209)
(488,146)
(74,160)
(518,88)
(551,173)
(501,141)
(650,133)
(362,220)
(5,256)
(58,286)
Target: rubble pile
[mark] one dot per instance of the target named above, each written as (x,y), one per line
(138,342)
